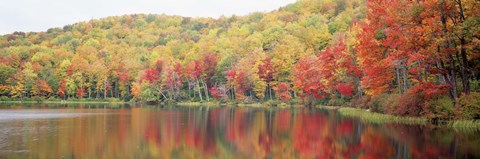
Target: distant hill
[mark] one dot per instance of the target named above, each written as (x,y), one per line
(92,55)
(402,57)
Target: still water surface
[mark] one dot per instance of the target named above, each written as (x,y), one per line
(211,132)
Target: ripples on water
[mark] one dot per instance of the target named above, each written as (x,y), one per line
(202,132)
(17,123)
(6,115)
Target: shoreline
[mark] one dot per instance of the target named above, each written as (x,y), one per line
(378,118)
(362,114)
(64,102)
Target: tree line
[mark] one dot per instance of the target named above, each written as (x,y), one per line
(334,52)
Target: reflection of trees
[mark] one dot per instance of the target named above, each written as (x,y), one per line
(311,136)
(250,139)
(430,142)
(375,145)
(236,133)
(283,120)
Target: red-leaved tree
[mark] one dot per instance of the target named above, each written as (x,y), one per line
(266,72)
(345,89)
(307,76)
(283,90)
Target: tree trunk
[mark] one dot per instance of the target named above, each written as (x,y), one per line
(189,89)
(104,89)
(89,92)
(452,72)
(199,90)
(404,75)
(464,71)
(116,90)
(269,91)
(111,92)
(441,78)
(165,97)
(397,72)
(359,86)
(453,78)
(232,91)
(205,87)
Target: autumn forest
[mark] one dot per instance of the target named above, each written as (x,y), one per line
(399,57)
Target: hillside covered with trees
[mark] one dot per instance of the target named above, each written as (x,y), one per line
(411,58)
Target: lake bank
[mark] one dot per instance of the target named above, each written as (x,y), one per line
(378,118)
(363,114)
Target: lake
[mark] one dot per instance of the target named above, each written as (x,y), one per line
(94,131)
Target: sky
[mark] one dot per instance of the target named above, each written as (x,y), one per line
(40,15)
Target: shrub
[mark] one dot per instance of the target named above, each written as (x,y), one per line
(4,98)
(390,103)
(133,100)
(410,104)
(336,102)
(469,106)
(441,107)
(283,105)
(112,100)
(127,98)
(52,98)
(295,101)
(272,103)
(314,102)
(222,100)
(169,101)
(38,99)
(377,104)
(361,102)
(23,99)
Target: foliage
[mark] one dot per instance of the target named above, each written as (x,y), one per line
(266,72)
(307,78)
(336,102)
(398,57)
(408,104)
(217,93)
(361,102)
(469,106)
(345,89)
(441,108)
(151,75)
(383,103)
(80,93)
(283,90)
(147,94)
(42,89)
(5,73)
(114,56)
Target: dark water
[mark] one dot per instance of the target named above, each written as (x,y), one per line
(202,132)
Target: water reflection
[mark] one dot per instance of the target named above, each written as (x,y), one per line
(180,132)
